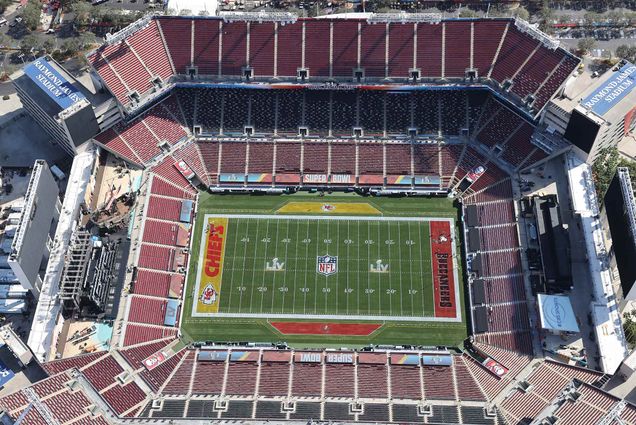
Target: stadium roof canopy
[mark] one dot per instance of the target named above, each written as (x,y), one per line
(556,314)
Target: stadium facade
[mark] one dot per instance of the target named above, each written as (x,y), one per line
(32,241)
(421,106)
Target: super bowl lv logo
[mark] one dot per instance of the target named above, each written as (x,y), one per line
(274,266)
(379,267)
(326,264)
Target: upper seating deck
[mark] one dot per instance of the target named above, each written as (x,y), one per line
(351,50)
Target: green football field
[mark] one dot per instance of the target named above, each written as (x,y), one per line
(284,260)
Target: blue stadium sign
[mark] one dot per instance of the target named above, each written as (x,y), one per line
(52,83)
(437,360)
(6,374)
(619,85)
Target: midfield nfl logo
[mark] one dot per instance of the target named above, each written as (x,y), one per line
(326,264)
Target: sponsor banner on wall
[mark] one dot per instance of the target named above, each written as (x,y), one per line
(474,174)
(307,357)
(244,356)
(437,359)
(185,215)
(155,360)
(399,180)
(259,178)
(184,169)
(212,356)
(495,367)
(339,358)
(371,179)
(172,307)
(314,178)
(405,359)
(342,179)
(287,178)
(426,180)
(231,178)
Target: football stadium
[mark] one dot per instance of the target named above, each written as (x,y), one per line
(328,221)
(317,271)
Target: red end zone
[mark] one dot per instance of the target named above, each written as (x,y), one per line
(443,276)
(323,328)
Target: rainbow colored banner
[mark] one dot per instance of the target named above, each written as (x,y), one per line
(259,178)
(405,359)
(244,356)
(399,180)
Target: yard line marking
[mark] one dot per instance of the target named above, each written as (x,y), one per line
(399,244)
(316,275)
(305,288)
(421,232)
(379,283)
(348,266)
(267,239)
(233,260)
(247,226)
(358,265)
(275,256)
(430,256)
(285,272)
(391,271)
(337,253)
(296,267)
(411,270)
(368,273)
(254,265)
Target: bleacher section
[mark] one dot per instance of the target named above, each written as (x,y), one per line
(411,394)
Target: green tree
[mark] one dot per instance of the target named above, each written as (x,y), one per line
(70,47)
(522,13)
(30,44)
(585,45)
(49,45)
(629,324)
(625,51)
(4,4)
(31,14)
(546,16)
(82,12)
(604,168)
(467,13)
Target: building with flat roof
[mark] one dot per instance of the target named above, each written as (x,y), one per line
(595,113)
(619,216)
(32,240)
(56,101)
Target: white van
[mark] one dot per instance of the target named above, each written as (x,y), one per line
(3,21)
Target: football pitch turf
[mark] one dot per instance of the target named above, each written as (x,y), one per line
(334,259)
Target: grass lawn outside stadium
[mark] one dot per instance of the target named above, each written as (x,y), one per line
(332,260)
